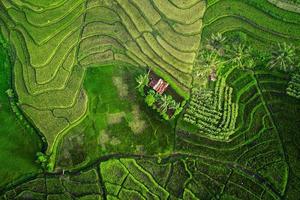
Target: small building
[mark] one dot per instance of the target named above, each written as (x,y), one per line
(158,84)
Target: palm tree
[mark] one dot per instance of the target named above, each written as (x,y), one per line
(283,57)
(239,54)
(216,42)
(165,101)
(142,81)
(250,64)
(211,60)
(207,60)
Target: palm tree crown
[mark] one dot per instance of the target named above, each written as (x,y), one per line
(283,57)
(239,54)
(216,41)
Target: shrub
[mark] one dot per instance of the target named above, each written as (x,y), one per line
(42,159)
(150,99)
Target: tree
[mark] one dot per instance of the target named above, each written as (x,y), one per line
(250,63)
(10,93)
(150,99)
(216,42)
(142,80)
(283,57)
(42,159)
(238,54)
(210,60)
(207,61)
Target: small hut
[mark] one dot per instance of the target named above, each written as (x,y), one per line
(157,83)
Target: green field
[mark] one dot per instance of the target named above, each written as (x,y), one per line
(18,144)
(74,123)
(111,127)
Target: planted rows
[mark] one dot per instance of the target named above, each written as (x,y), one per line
(213,112)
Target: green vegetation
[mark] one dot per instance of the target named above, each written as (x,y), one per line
(293,88)
(256,137)
(79,120)
(63,187)
(142,81)
(18,141)
(284,58)
(113,127)
(164,104)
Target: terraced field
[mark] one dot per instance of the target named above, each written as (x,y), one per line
(54,46)
(257,143)
(263,22)
(74,65)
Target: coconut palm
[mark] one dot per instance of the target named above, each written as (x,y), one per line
(207,60)
(142,80)
(216,42)
(250,64)
(238,54)
(210,60)
(283,57)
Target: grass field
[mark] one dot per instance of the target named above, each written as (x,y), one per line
(112,127)
(18,144)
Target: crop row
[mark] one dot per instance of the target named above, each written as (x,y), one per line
(146,178)
(69,186)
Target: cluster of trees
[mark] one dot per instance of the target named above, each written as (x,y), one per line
(44,161)
(236,51)
(164,104)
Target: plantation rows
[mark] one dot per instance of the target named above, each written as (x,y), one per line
(213,113)
(81,186)
(290,5)
(266,127)
(175,177)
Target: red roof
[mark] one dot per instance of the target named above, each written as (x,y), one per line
(159,85)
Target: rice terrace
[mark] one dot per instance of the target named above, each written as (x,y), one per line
(149,99)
